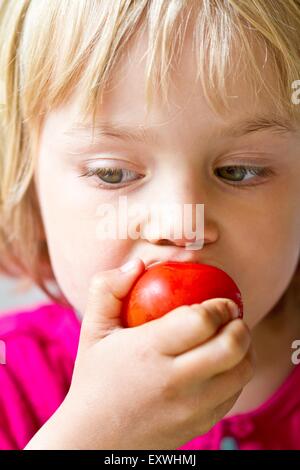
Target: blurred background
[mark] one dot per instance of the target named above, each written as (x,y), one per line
(15,294)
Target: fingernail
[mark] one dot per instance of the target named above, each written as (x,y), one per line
(234,309)
(130,265)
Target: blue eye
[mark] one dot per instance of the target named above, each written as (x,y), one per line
(112,176)
(236,174)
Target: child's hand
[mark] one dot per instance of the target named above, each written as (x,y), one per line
(155,386)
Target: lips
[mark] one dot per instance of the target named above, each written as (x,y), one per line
(152,262)
(166,260)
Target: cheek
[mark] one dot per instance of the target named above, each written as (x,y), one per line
(269,244)
(70,219)
(75,263)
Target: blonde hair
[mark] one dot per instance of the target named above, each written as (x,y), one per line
(50,47)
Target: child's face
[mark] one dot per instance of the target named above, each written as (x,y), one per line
(252,227)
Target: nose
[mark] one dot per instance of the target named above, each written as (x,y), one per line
(194,243)
(182,225)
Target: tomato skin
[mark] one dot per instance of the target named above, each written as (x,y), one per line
(165,286)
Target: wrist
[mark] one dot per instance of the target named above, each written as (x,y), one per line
(58,433)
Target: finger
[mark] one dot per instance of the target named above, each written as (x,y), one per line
(221,353)
(223,386)
(106,292)
(188,326)
(224,408)
(214,416)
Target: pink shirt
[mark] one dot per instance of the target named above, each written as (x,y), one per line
(41,345)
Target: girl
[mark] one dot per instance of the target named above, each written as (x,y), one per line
(188,101)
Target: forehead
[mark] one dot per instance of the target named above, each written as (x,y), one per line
(125,100)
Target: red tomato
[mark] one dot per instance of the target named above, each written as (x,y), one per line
(165,286)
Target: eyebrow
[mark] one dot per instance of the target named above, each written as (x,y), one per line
(142,134)
(115,131)
(274,124)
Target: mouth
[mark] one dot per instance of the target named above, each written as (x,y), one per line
(154,261)
(150,263)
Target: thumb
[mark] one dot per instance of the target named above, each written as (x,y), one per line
(106,292)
